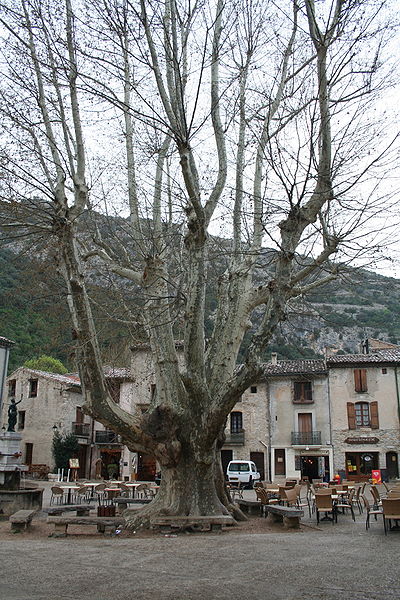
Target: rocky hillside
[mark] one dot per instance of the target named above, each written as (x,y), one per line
(34,314)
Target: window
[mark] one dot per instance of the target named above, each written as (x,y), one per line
(253,389)
(360,380)
(302,392)
(362,414)
(384,371)
(153,391)
(21,419)
(33,388)
(236,422)
(28,453)
(12,386)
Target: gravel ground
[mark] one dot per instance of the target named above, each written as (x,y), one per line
(254,560)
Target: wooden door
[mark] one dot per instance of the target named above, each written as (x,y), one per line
(305,422)
(82,457)
(280,461)
(392,465)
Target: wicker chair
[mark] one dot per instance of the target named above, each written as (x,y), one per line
(324,503)
(57,495)
(391,512)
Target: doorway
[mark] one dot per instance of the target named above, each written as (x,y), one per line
(226,457)
(82,457)
(258,459)
(280,461)
(110,463)
(314,467)
(392,465)
(146,469)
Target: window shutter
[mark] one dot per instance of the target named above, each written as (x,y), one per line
(363,373)
(351,415)
(374,415)
(360,380)
(357,382)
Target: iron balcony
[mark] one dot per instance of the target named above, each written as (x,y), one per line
(311,438)
(235,438)
(107,437)
(81,429)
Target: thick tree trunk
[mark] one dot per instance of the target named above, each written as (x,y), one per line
(191,488)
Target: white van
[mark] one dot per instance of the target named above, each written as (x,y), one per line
(244,470)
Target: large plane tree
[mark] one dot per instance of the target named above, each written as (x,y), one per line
(216,129)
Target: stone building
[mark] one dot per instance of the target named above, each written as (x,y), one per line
(305,418)
(51,402)
(300,439)
(365,408)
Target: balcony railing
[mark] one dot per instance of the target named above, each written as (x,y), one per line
(235,438)
(81,429)
(312,438)
(107,437)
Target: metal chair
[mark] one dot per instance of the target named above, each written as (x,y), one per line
(346,503)
(370,511)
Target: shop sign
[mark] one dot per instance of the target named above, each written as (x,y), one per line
(376,477)
(361,440)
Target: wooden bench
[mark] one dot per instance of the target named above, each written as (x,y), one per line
(82,510)
(61,523)
(213,523)
(21,519)
(289,514)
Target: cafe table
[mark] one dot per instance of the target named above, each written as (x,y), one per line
(69,489)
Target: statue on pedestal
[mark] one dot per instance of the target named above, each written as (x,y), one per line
(12,414)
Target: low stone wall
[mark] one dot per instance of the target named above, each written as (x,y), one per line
(13,500)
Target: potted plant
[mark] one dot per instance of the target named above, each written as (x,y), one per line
(112,470)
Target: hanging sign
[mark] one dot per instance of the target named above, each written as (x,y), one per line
(361,440)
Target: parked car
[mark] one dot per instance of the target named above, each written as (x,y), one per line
(244,470)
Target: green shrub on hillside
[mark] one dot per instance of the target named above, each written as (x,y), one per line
(46,363)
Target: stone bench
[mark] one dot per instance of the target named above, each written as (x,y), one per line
(21,519)
(211,522)
(250,506)
(61,523)
(82,510)
(289,514)
(123,502)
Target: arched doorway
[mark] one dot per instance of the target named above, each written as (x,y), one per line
(392,465)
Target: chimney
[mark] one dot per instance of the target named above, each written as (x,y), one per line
(274,358)
(328,351)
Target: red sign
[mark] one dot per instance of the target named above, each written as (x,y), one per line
(376,477)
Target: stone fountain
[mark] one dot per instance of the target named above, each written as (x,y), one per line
(13,497)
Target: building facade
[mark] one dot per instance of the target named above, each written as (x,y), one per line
(304,419)
(49,402)
(365,409)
